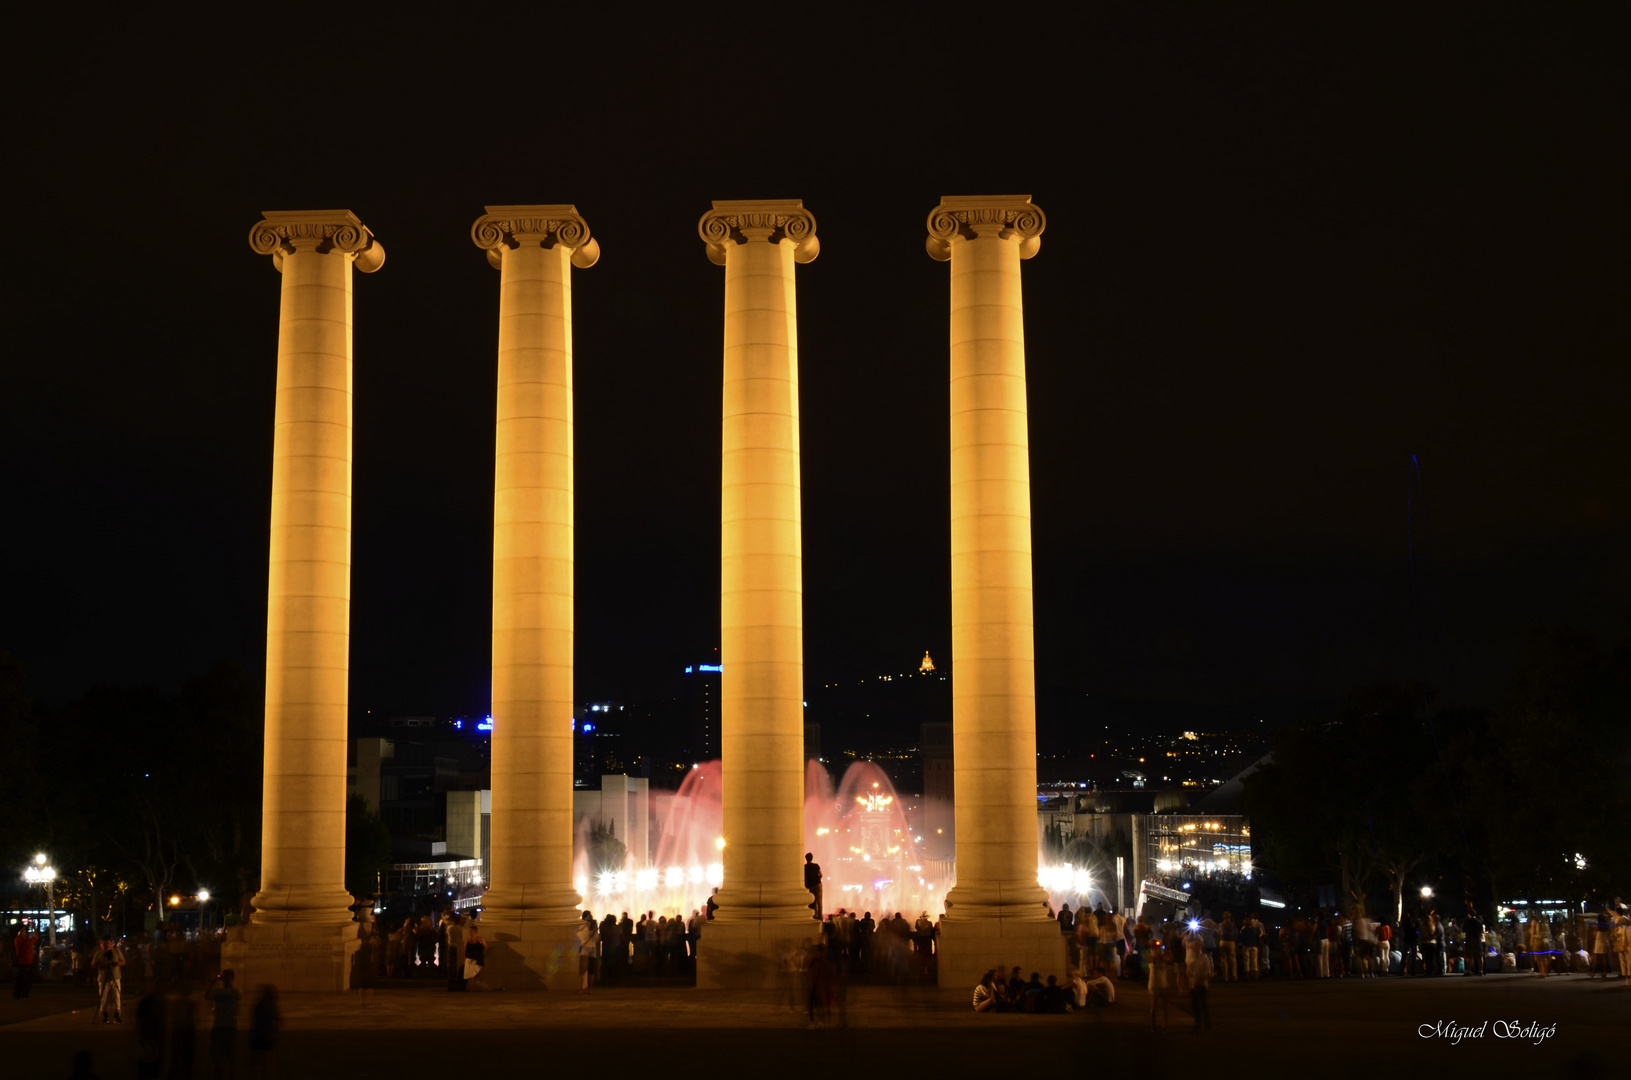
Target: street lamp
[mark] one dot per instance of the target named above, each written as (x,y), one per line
(42,874)
(1426,892)
(203,909)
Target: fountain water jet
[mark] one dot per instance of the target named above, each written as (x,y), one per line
(858,832)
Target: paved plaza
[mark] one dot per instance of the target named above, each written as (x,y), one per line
(1333,1028)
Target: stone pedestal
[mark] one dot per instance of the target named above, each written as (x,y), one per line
(996,914)
(301,934)
(530,911)
(292,958)
(763,905)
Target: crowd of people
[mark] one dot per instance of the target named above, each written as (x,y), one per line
(1180,956)
(169,975)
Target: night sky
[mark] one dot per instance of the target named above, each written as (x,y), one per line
(1282,257)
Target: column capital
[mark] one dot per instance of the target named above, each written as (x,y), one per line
(283,232)
(546,225)
(741,221)
(964,217)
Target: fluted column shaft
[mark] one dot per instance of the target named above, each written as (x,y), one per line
(761,563)
(761,580)
(309,579)
(531,840)
(993,649)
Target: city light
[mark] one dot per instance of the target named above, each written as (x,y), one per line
(203,894)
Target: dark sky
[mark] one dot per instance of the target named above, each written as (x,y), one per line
(1282,257)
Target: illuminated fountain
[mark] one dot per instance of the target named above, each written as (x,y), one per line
(688,865)
(858,832)
(860,835)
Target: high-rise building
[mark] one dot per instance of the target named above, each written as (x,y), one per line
(702,683)
(597,741)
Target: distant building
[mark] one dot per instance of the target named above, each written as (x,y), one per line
(939,792)
(597,741)
(702,683)
(623,804)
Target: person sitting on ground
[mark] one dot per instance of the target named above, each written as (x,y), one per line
(1033,993)
(1098,992)
(1016,989)
(985,994)
(1053,997)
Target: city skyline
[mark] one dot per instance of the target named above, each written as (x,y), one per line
(1262,298)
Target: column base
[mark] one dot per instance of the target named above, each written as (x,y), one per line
(295,957)
(529,953)
(970,946)
(750,950)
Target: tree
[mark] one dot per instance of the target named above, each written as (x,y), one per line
(606,851)
(367,847)
(1343,799)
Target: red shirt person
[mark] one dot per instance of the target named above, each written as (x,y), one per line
(26,945)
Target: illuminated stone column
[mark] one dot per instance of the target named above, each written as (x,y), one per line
(763,905)
(531,906)
(995,914)
(301,935)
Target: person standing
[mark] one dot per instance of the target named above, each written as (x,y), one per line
(1087,939)
(588,952)
(1198,968)
(1622,945)
(150,1035)
(1364,944)
(363,975)
(1473,950)
(264,1023)
(224,1030)
(1228,937)
(27,944)
(475,957)
(1249,937)
(453,955)
(812,881)
(109,960)
(1602,945)
(1162,980)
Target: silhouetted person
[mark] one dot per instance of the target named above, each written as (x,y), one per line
(264,1025)
(224,1029)
(1473,949)
(812,881)
(27,944)
(183,1036)
(149,1035)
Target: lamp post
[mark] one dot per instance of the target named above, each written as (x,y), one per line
(203,910)
(42,874)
